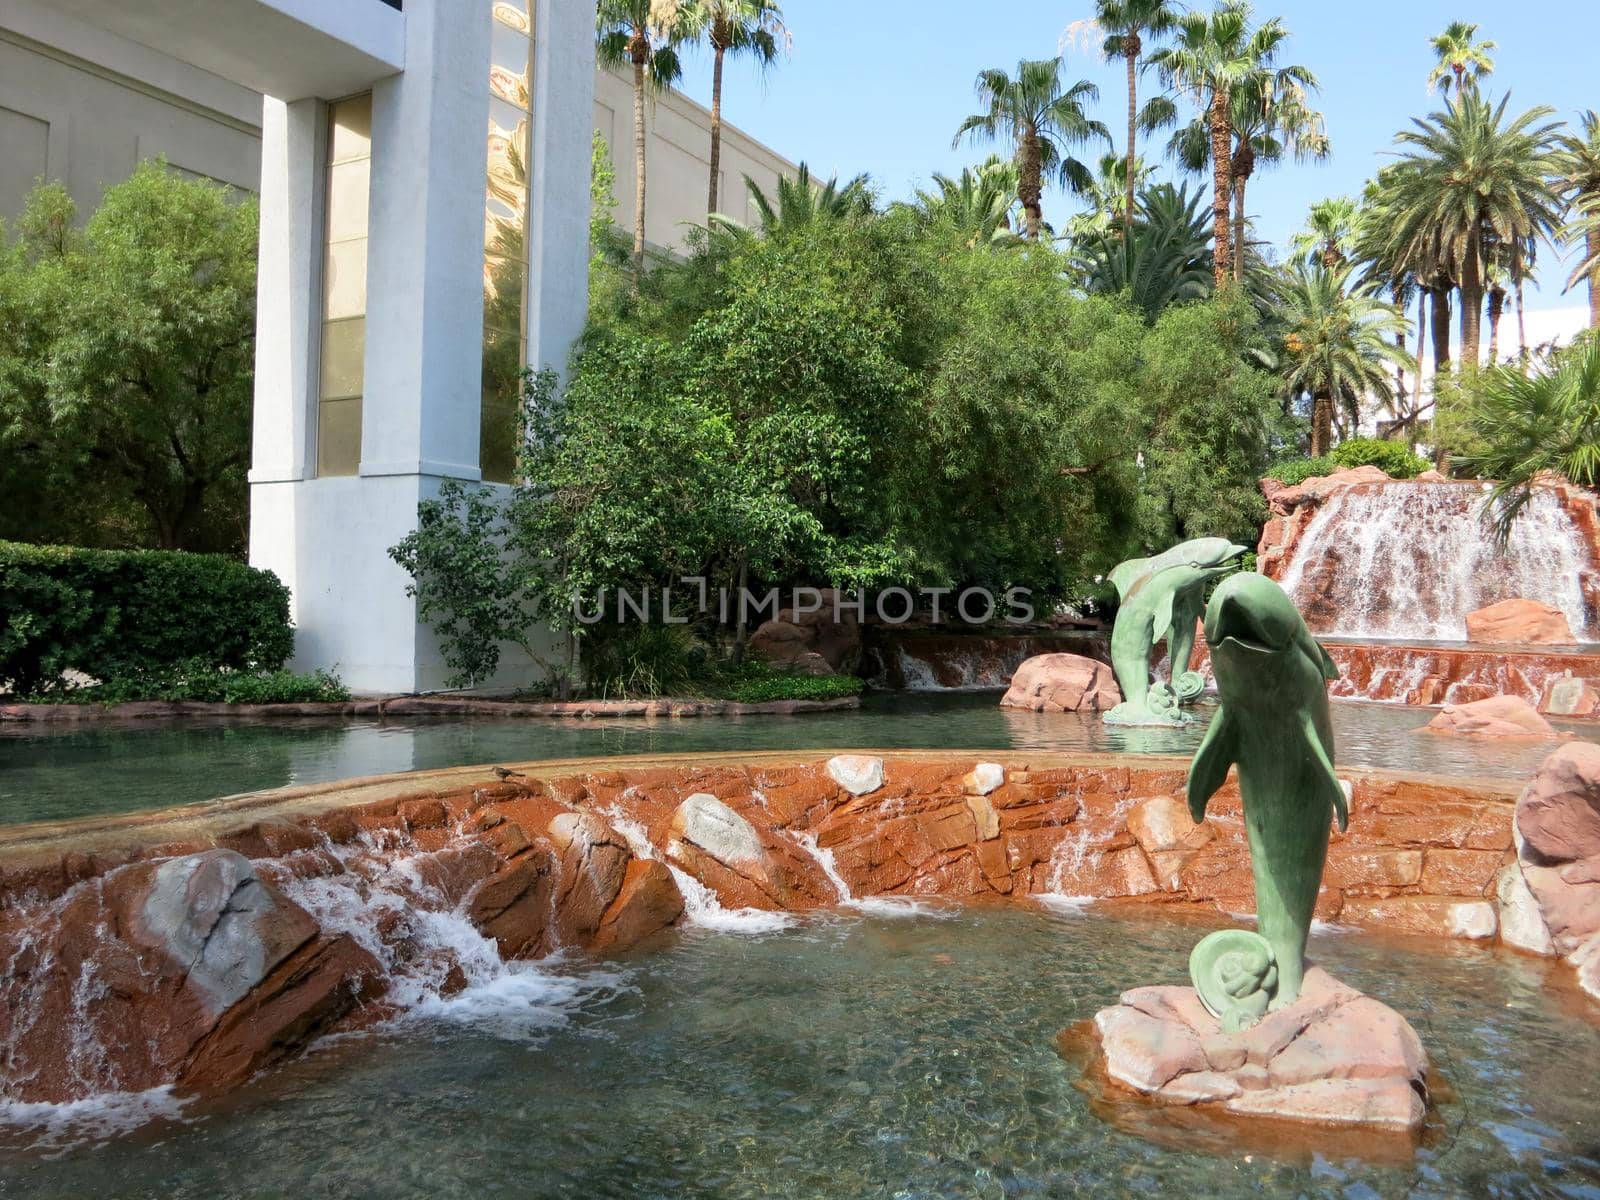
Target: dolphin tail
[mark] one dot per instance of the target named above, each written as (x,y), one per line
(1328,787)
(1218,751)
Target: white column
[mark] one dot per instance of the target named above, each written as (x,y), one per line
(425,253)
(558,203)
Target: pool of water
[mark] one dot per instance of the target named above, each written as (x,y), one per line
(106,768)
(845,1056)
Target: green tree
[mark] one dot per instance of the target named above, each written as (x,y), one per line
(975,207)
(1271,120)
(1468,177)
(1043,122)
(1331,231)
(1462,59)
(1126,24)
(1533,423)
(753,28)
(1577,181)
(1337,346)
(626,35)
(130,366)
(1166,260)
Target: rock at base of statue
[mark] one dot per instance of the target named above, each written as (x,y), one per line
(1160,707)
(1062,683)
(1333,1057)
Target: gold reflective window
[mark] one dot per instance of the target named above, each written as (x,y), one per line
(344,286)
(505,247)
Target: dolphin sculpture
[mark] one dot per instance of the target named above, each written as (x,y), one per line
(1273,723)
(1161,599)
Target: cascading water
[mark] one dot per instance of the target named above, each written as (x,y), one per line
(1409,561)
(881,906)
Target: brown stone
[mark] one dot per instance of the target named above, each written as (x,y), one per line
(1496,717)
(829,634)
(1558,813)
(1468,917)
(1460,872)
(1062,683)
(1355,867)
(1163,823)
(1519,622)
(647,902)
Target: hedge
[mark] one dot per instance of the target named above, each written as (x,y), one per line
(119,615)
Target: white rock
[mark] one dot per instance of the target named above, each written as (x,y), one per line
(984,778)
(857,774)
(1521,923)
(708,823)
(1473,920)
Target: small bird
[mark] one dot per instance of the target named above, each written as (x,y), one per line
(507,773)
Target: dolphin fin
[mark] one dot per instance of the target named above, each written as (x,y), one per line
(1218,751)
(1327,782)
(1320,656)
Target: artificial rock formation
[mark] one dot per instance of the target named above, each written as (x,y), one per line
(1332,1057)
(1494,717)
(815,641)
(1519,622)
(1062,683)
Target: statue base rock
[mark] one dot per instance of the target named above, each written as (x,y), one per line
(1333,1057)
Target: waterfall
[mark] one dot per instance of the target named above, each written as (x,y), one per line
(1409,561)
(879,906)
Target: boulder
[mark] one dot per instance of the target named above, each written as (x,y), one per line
(1333,1056)
(1519,622)
(858,774)
(831,632)
(648,902)
(1062,683)
(1558,813)
(710,825)
(1495,717)
(1568,696)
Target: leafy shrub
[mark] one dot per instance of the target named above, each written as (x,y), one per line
(644,660)
(121,616)
(1393,458)
(1297,470)
(202,684)
(757,683)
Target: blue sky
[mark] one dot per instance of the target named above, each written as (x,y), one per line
(880,85)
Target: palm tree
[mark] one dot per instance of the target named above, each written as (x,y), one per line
(1331,232)
(1214,54)
(1462,60)
(1577,181)
(751,27)
(976,206)
(1107,194)
(1125,24)
(1531,424)
(1165,258)
(1043,121)
(1468,178)
(800,203)
(1336,343)
(1270,119)
(625,35)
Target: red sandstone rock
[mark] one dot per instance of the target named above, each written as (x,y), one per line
(1569,696)
(805,640)
(1496,717)
(1558,813)
(1163,823)
(1519,622)
(1466,917)
(647,902)
(1333,1056)
(1062,683)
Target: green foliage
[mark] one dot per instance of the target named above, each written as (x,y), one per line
(120,616)
(126,357)
(645,660)
(198,683)
(1164,260)
(1395,459)
(758,683)
(1296,471)
(1527,425)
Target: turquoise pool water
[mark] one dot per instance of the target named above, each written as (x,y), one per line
(846,1056)
(102,768)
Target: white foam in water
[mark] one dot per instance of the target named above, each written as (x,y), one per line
(877,906)
(74,1123)
(1063,904)
(450,971)
(701,907)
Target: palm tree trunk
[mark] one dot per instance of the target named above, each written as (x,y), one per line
(1321,423)
(638,169)
(1591,243)
(718,50)
(1238,226)
(1471,302)
(1131,53)
(1497,306)
(1221,164)
(1522,328)
(1030,184)
(1422,341)
(1440,294)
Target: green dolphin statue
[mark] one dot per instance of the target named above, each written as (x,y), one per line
(1161,600)
(1273,723)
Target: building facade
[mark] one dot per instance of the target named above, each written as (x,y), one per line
(423,171)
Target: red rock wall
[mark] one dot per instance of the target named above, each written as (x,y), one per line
(536,865)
